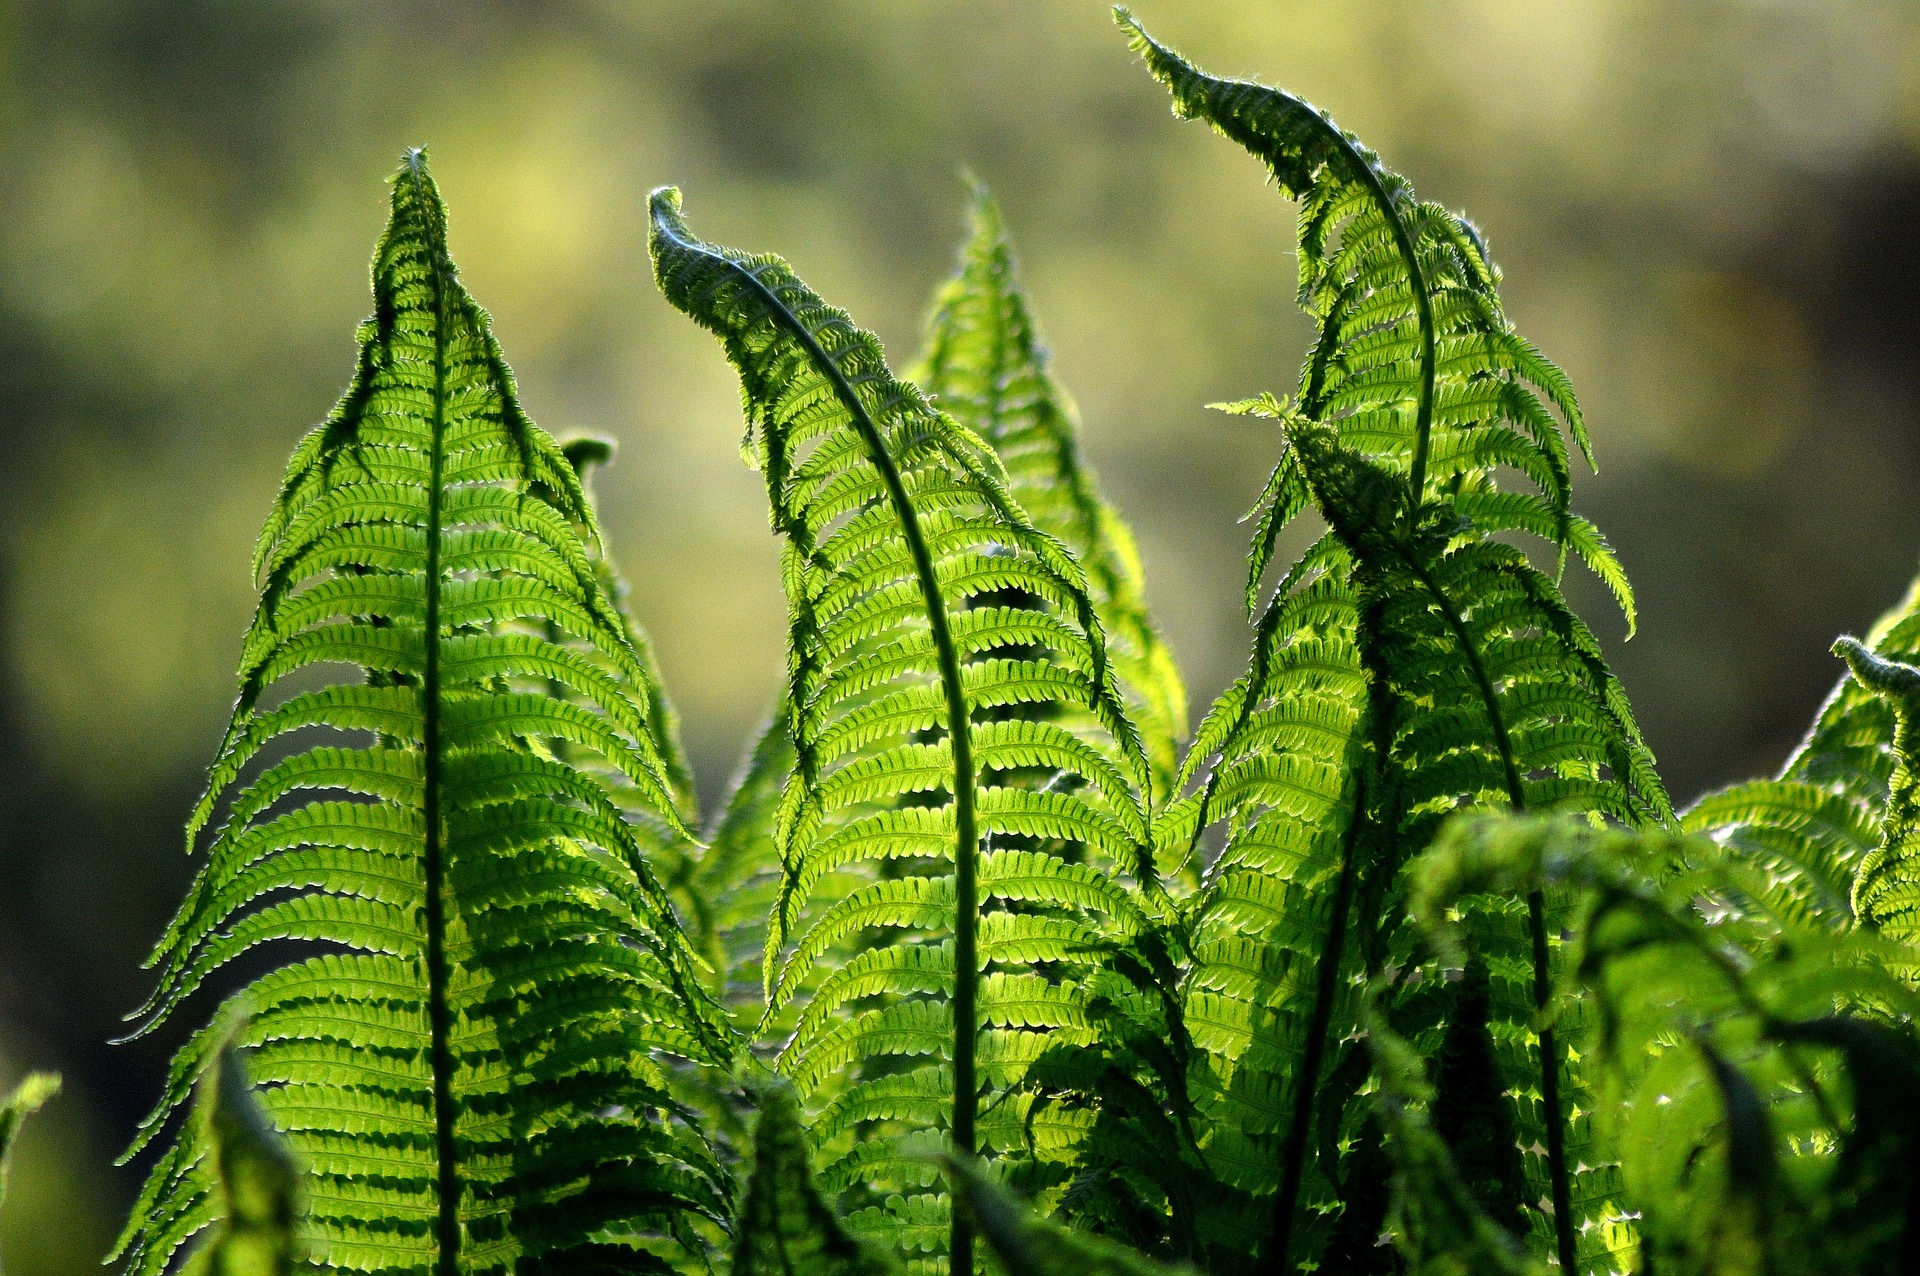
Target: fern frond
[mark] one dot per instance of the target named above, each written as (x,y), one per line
(1415,364)
(1406,665)
(1743,1066)
(945,654)
(1886,893)
(985,364)
(472,839)
(1815,823)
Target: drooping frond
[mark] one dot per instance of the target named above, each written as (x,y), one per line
(786,1228)
(1406,665)
(259,1188)
(459,820)
(1414,361)
(943,652)
(1755,1074)
(27,1098)
(1813,824)
(984,363)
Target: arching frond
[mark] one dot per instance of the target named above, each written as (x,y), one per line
(1886,892)
(1415,361)
(1408,664)
(943,650)
(463,822)
(985,364)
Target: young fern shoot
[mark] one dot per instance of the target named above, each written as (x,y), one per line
(1407,664)
(900,538)
(468,845)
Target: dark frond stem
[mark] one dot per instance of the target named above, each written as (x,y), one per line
(447,1225)
(966,888)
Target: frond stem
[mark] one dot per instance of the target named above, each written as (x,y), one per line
(439,1015)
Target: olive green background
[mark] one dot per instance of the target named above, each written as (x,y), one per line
(1705,210)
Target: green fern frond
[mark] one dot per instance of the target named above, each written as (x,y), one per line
(471,841)
(259,1181)
(1745,1068)
(984,363)
(1887,888)
(1415,361)
(950,689)
(1407,664)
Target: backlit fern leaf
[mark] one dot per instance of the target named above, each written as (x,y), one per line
(1414,359)
(943,652)
(1755,1072)
(985,365)
(1407,664)
(1886,892)
(465,1064)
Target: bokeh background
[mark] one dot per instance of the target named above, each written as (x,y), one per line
(1706,210)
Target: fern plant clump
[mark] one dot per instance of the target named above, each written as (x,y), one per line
(1400,959)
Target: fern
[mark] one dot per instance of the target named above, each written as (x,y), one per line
(1755,1074)
(895,519)
(1815,822)
(259,1181)
(1408,663)
(467,1065)
(985,365)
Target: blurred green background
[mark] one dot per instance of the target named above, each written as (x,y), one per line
(1705,210)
